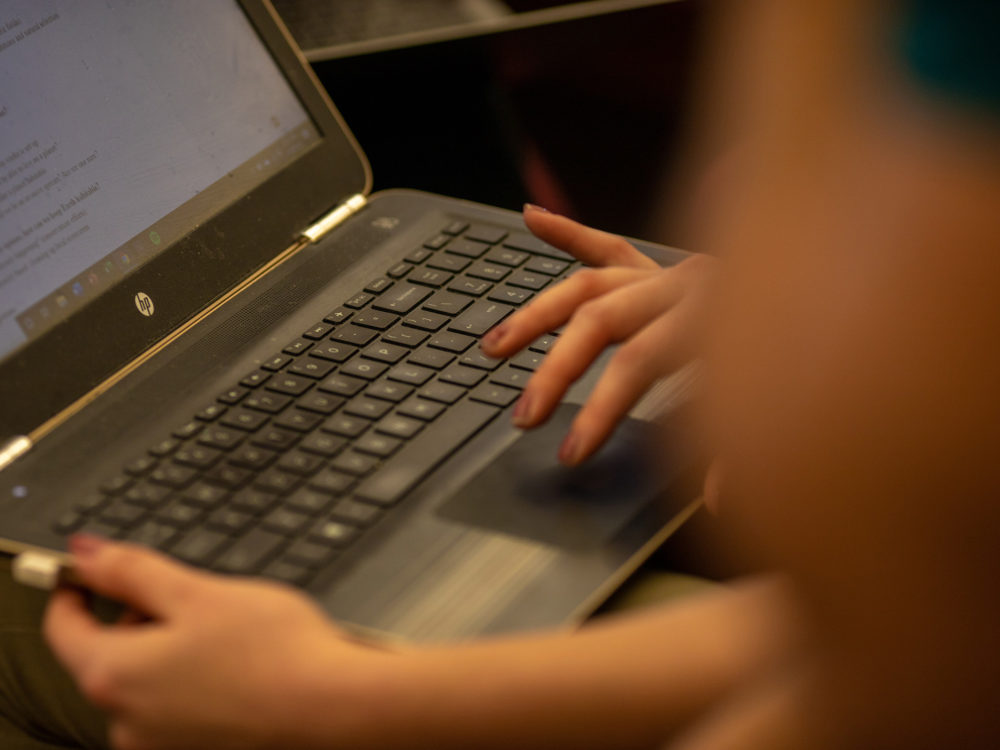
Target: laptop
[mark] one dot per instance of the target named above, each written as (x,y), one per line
(216,343)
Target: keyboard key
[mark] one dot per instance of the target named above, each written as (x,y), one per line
(369,408)
(341,424)
(285,521)
(298,462)
(308,554)
(152,534)
(354,513)
(338,315)
(311,367)
(548,266)
(448,303)
(397,475)
(510,295)
(525,241)
(200,546)
(250,552)
(146,494)
(435,358)
(244,419)
(480,318)
(534,281)
(188,429)
(198,456)
(456,227)
(297,347)
(437,242)
(425,321)
(172,475)
(321,403)
(506,256)
(430,277)
(306,500)
(446,393)
(402,299)
(270,403)
(418,256)
(228,476)
(323,444)
(421,408)
(542,343)
(210,413)
(404,336)
(387,391)
(482,233)
(513,378)
(221,437)
(364,368)
(121,514)
(379,285)
(354,335)
(116,484)
(333,352)
(462,375)
(488,271)
(375,319)
(298,420)
(178,514)
(359,300)
(377,445)
(276,362)
(255,379)
(497,395)
(451,342)
(253,500)
(277,481)
(467,248)
(342,385)
(527,360)
(253,457)
(286,571)
(356,464)
(474,287)
(272,437)
(232,396)
(333,533)
(318,331)
(229,521)
(449,262)
(412,374)
(385,352)
(475,358)
(332,482)
(399,426)
(164,447)
(399,270)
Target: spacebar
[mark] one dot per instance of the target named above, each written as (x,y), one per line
(399,474)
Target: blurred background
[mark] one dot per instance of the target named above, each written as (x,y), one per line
(575,106)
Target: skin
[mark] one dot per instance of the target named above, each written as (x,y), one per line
(851,394)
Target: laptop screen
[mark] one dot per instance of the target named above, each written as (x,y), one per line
(154,117)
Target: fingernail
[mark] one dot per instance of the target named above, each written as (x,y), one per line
(569,451)
(83,546)
(522,411)
(493,337)
(533,207)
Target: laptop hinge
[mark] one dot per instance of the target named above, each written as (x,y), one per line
(335,218)
(13,449)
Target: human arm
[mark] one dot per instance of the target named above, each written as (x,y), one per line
(223,663)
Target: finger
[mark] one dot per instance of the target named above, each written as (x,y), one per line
(651,354)
(596,325)
(554,307)
(72,632)
(137,577)
(591,246)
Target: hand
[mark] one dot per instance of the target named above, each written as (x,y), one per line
(625,297)
(216,662)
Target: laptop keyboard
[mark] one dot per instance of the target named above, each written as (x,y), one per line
(289,467)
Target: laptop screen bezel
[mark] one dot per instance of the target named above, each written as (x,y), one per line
(51,372)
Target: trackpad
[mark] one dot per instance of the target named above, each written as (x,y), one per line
(526,491)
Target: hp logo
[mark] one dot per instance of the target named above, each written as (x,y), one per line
(144,303)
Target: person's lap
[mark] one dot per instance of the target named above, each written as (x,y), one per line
(40,707)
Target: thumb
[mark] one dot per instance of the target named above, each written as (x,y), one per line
(135,576)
